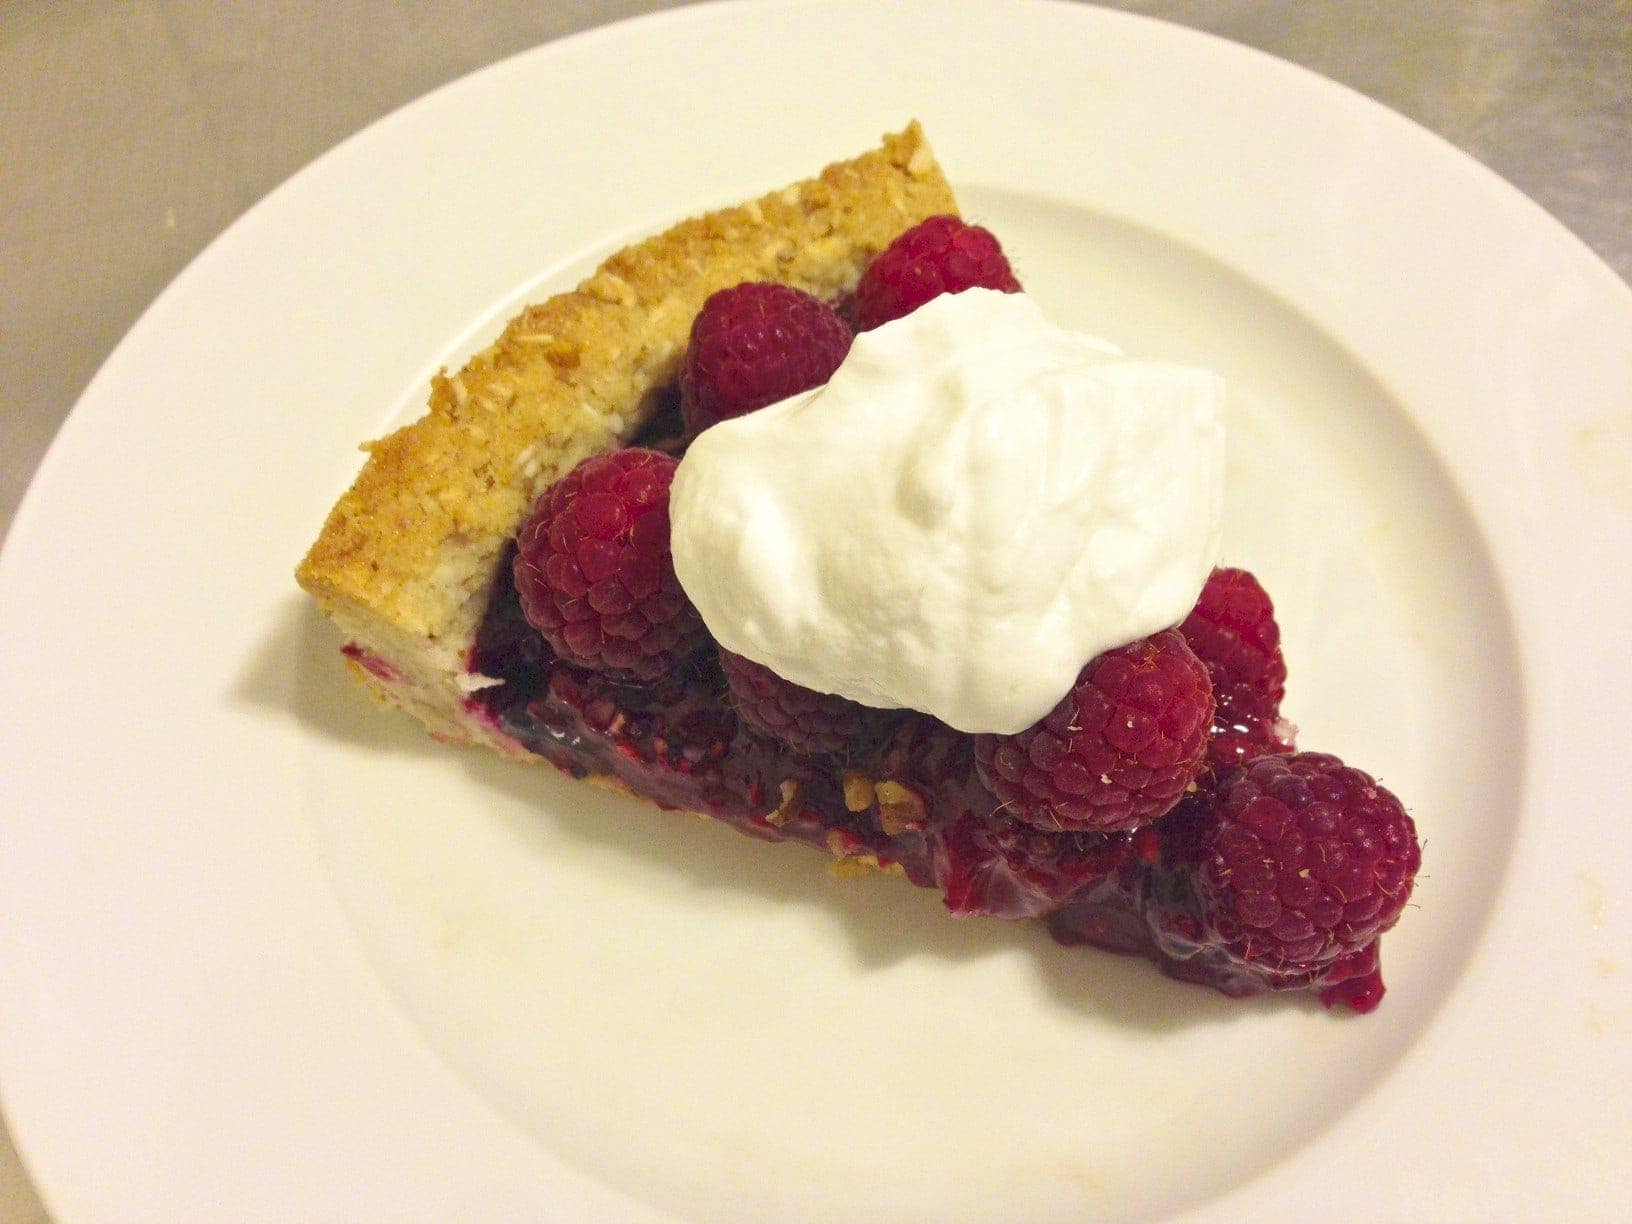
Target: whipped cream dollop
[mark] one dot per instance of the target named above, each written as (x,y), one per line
(976,504)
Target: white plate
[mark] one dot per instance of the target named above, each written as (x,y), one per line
(267,953)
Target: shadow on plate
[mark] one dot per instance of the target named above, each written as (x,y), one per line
(298,672)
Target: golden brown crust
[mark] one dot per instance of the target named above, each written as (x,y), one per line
(411,548)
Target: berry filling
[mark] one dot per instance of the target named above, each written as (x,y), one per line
(1159,810)
(372,663)
(912,801)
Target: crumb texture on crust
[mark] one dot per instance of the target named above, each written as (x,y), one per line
(409,552)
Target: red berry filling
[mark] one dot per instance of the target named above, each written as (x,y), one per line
(996,865)
(1279,875)
(915,800)
(797,716)
(372,663)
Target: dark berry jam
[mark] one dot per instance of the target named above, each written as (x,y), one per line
(676,741)
(911,800)
(908,799)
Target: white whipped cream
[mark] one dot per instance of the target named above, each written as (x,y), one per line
(976,504)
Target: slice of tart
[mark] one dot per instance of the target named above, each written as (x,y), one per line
(503,569)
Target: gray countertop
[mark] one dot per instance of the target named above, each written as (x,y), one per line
(137,130)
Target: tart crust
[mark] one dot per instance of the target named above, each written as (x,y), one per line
(405,563)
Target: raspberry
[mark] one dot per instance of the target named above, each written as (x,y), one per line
(940,255)
(1005,868)
(1232,629)
(593,568)
(1297,863)
(800,717)
(753,345)
(1117,751)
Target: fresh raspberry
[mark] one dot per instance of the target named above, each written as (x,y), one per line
(940,255)
(1232,629)
(1297,863)
(802,718)
(1117,751)
(753,345)
(1005,868)
(593,568)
